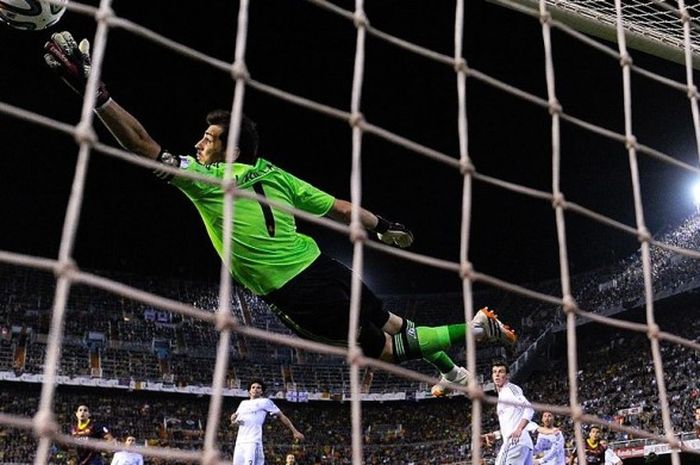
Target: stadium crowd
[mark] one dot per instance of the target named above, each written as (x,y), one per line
(396,432)
(621,389)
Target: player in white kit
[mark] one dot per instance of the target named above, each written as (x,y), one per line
(125,457)
(250,417)
(512,419)
(550,441)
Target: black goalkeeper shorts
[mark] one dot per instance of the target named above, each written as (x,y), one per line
(315,305)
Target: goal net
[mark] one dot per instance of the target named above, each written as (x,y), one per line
(616,17)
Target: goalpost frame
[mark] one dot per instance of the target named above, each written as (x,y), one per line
(640,37)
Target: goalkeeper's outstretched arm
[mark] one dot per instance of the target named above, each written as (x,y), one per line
(391,233)
(71,61)
(128,130)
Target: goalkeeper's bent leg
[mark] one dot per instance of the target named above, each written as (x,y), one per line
(441,361)
(413,342)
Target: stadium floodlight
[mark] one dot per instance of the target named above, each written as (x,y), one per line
(695,191)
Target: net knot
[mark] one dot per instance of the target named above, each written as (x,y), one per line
(554,107)
(65,269)
(693,91)
(475,392)
(228,186)
(558,200)
(356,120)
(625,59)
(631,143)
(360,19)
(461,66)
(104,14)
(84,134)
(568,304)
(355,356)
(643,234)
(545,17)
(466,271)
(653,331)
(466,167)
(357,233)
(674,443)
(576,413)
(44,425)
(224,321)
(685,17)
(240,71)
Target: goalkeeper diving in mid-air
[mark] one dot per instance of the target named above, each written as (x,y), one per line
(306,289)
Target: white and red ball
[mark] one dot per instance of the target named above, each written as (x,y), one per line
(30,15)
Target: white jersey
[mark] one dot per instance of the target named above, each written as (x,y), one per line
(127,458)
(509,416)
(553,447)
(251,416)
(611,457)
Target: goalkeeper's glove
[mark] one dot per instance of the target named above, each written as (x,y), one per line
(394,234)
(72,63)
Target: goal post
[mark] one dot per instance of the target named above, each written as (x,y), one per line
(651,26)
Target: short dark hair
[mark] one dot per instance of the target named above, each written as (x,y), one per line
(500,363)
(247,140)
(256,381)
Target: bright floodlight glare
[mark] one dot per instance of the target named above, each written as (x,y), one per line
(695,190)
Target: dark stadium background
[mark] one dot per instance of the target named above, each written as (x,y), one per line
(132,223)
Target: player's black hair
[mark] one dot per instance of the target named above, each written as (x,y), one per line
(257,381)
(247,140)
(500,363)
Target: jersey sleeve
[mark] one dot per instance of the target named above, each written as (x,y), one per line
(551,452)
(309,198)
(191,187)
(519,397)
(611,456)
(270,407)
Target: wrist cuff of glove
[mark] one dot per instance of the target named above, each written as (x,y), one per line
(382,225)
(102,102)
(102,96)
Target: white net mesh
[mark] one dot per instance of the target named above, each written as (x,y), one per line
(654,26)
(68,275)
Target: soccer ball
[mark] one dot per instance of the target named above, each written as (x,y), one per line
(30,15)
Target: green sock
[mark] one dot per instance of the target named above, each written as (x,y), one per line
(441,361)
(437,338)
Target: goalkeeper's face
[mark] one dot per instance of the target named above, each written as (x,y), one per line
(210,148)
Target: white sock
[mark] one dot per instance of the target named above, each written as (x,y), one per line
(452,374)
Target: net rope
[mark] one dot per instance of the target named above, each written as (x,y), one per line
(68,274)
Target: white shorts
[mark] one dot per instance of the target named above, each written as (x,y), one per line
(248,453)
(514,454)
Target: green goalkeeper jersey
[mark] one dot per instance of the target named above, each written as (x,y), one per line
(267,250)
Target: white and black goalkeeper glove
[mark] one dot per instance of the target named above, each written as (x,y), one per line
(394,234)
(71,61)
